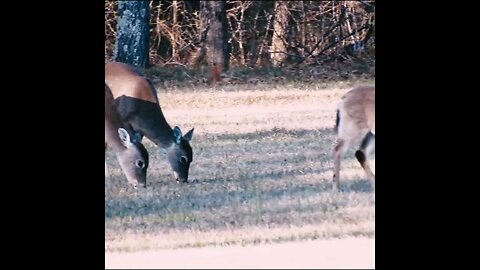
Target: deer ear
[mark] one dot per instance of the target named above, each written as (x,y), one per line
(177,134)
(189,135)
(125,137)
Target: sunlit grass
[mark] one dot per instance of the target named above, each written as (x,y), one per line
(261,173)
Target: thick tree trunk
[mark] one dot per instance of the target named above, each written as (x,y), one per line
(132,40)
(213,19)
(278,50)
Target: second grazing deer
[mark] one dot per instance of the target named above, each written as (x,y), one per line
(355,126)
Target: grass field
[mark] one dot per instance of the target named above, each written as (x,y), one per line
(351,253)
(261,174)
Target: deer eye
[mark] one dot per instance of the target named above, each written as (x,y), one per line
(183,159)
(140,164)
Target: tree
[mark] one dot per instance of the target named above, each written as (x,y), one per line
(214,32)
(256,33)
(280,26)
(132,37)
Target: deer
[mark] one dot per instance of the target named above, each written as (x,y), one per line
(139,107)
(130,152)
(355,126)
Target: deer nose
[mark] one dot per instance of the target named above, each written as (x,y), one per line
(179,179)
(137,185)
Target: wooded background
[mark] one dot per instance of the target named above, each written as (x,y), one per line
(253,34)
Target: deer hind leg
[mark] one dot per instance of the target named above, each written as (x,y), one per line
(338,150)
(362,156)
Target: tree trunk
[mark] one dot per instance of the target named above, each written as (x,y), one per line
(278,50)
(175,32)
(132,40)
(213,19)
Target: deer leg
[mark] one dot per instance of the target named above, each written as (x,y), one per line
(362,156)
(338,150)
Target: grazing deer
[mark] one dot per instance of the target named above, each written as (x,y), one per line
(355,125)
(130,152)
(138,105)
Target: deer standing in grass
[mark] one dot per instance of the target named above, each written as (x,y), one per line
(138,105)
(355,125)
(130,152)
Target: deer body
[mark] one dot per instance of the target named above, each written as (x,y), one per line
(355,125)
(131,154)
(138,106)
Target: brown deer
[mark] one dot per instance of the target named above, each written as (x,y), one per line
(355,125)
(130,152)
(138,105)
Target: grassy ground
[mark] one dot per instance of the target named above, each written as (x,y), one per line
(261,173)
(352,253)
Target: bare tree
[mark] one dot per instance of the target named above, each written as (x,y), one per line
(132,37)
(254,33)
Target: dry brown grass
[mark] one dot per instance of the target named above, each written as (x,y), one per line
(261,173)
